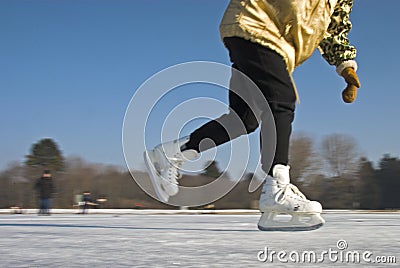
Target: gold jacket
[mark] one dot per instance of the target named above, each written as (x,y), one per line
(294,28)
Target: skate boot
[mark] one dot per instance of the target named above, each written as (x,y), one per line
(163,164)
(280,199)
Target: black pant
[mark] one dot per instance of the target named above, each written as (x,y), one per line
(267,70)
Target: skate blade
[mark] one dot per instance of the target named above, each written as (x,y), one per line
(298,222)
(155,178)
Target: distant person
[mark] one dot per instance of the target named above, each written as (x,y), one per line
(267,40)
(45,188)
(86,202)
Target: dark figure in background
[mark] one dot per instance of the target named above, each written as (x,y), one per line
(86,202)
(45,188)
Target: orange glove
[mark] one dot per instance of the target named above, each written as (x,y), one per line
(349,94)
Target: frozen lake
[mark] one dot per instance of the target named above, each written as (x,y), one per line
(149,239)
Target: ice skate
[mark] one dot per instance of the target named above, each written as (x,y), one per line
(284,207)
(163,165)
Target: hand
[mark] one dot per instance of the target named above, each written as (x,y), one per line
(349,94)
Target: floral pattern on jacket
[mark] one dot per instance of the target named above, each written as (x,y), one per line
(335,47)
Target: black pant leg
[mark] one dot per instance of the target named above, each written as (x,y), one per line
(267,70)
(240,120)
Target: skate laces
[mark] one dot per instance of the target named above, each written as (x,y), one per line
(176,163)
(289,190)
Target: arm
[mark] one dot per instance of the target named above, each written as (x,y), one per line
(335,47)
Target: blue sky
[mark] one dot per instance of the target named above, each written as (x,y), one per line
(68,70)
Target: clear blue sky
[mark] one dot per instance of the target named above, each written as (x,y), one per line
(68,70)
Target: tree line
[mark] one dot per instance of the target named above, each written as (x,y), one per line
(332,172)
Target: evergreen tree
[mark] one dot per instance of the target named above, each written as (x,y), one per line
(369,187)
(389,179)
(45,154)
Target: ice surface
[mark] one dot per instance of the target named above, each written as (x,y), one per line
(168,240)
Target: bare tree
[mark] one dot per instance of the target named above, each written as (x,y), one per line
(340,153)
(303,160)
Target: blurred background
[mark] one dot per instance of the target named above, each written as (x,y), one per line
(68,70)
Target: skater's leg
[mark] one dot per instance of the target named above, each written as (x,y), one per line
(268,70)
(239,121)
(41,206)
(164,161)
(283,114)
(47,206)
(246,59)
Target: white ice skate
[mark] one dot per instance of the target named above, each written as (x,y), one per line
(163,165)
(279,197)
